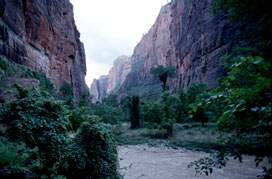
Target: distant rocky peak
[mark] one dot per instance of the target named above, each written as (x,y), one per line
(110,83)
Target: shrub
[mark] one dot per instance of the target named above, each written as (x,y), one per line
(41,122)
(155,117)
(96,152)
(67,94)
(38,120)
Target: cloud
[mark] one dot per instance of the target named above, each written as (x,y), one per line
(112,28)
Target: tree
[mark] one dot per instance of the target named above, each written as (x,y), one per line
(134,109)
(163,73)
(111,100)
(245,95)
(183,113)
(194,91)
(157,116)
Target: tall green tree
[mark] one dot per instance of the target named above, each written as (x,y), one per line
(134,109)
(183,113)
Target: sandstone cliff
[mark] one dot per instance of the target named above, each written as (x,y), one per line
(187,36)
(111,83)
(42,36)
(99,88)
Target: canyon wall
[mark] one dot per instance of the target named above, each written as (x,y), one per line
(42,35)
(189,37)
(111,83)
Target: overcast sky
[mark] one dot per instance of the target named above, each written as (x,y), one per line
(111,28)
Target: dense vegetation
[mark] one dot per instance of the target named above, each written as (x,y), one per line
(44,137)
(243,98)
(54,135)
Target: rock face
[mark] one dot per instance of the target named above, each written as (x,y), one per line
(42,36)
(187,36)
(99,88)
(111,83)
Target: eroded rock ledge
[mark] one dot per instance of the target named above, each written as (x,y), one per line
(42,36)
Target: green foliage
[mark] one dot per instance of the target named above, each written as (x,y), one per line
(163,73)
(77,117)
(3,67)
(155,115)
(183,111)
(244,96)
(67,94)
(111,100)
(85,98)
(110,111)
(67,90)
(254,18)
(38,120)
(205,165)
(97,140)
(12,155)
(196,96)
(45,83)
(7,69)
(10,69)
(244,11)
(245,106)
(22,92)
(134,110)
(194,91)
(41,123)
(171,104)
(107,113)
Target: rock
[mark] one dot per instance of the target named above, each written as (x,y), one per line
(6,95)
(111,83)
(187,36)
(42,36)
(99,89)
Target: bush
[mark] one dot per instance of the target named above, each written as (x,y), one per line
(155,117)
(41,122)
(97,141)
(67,95)
(195,90)
(12,155)
(38,121)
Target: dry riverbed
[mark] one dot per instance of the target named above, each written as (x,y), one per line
(160,162)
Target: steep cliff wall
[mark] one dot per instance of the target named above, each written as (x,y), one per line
(42,35)
(187,36)
(99,88)
(111,83)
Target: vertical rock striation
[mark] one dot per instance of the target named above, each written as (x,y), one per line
(111,83)
(99,88)
(42,35)
(187,36)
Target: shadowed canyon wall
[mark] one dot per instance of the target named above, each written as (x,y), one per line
(189,37)
(41,34)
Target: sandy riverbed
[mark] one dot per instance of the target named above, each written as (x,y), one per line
(144,162)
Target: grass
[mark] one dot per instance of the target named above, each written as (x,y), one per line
(126,136)
(187,135)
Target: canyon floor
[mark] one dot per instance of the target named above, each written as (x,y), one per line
(160,162)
